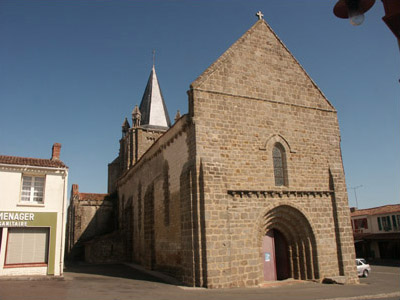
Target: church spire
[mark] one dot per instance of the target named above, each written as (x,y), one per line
(125,127)
(152,108)
(136,117)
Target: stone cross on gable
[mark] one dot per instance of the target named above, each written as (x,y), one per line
(260,15)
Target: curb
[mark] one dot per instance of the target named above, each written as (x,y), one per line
(32,278)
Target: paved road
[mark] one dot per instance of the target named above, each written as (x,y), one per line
(120,282)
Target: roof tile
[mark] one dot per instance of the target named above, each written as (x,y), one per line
(92,197)
(28,161)
(377,210)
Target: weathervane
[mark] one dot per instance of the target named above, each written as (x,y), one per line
(260,15)
(154,57)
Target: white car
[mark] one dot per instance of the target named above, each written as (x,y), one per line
(363,268)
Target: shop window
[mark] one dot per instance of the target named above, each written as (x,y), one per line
(32,189)
(27,246)
(279,161)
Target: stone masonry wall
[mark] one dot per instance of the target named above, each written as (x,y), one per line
(156,187)
(132,146)
(145,139)
(252,97)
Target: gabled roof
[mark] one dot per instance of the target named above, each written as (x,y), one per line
(387,209)
(153,109)
(259,66)
(28,161)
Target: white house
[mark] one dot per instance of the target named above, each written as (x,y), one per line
(377,231)
(32,214)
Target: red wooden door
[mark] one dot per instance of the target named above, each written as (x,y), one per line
(268,250)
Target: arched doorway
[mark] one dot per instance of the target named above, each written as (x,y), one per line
(288,246)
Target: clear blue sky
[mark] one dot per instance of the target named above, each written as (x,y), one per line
(71,71)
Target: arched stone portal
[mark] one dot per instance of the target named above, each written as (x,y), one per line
(286,227)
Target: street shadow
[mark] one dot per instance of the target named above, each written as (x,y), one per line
(112,270)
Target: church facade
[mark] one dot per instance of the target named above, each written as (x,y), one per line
(248,186)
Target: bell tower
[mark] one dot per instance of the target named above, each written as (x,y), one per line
(149,121)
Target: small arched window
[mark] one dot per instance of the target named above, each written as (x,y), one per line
(279,160)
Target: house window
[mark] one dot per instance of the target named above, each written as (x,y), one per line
(32,189)
(394,221)
(398,221)
(279,161)
(27,246)
(386,223)
(361,223)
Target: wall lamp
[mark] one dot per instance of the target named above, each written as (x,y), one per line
(355,10)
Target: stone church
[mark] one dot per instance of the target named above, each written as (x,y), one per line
(248,186)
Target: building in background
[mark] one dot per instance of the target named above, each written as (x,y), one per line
(89,215)
(32,214)
(377,232)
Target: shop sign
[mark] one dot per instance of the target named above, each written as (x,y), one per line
(16,219)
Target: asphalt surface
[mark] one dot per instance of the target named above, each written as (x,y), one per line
(115,282)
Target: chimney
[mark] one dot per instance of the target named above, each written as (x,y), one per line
(75,190)
(55,155)
(74,194)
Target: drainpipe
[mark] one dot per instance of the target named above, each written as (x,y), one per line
(63,221)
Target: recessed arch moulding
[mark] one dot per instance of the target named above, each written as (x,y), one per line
(300,238)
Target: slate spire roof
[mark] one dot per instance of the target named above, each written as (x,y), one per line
(153,109)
